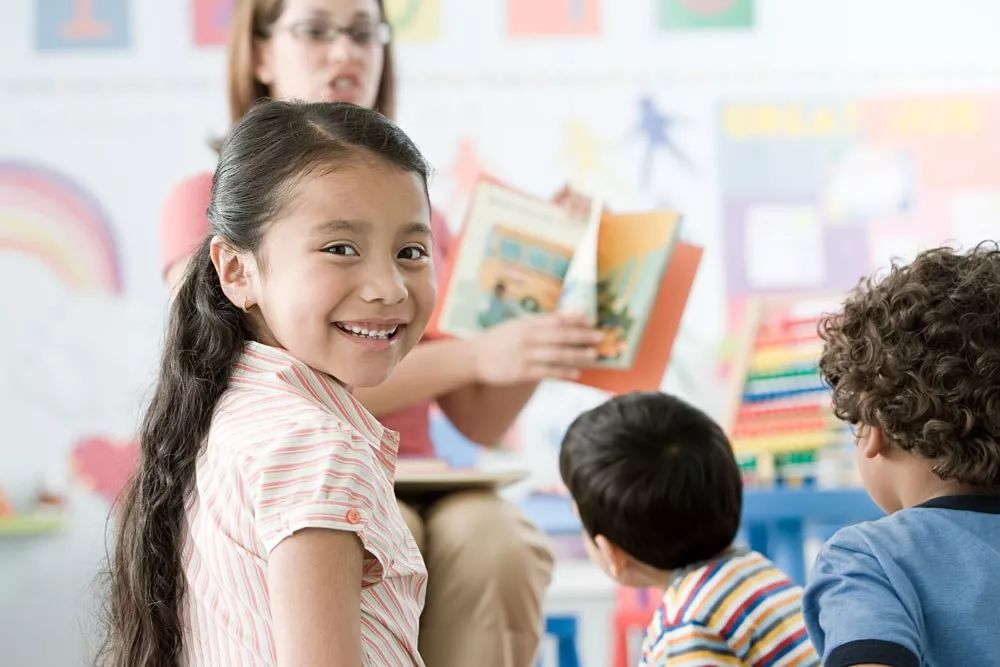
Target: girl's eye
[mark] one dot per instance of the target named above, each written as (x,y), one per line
(342,249)
(412,252)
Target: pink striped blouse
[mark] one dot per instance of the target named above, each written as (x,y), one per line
(289,448)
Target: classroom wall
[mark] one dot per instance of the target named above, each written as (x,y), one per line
(806,142)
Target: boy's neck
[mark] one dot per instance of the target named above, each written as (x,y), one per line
(919,484)
(647,576)
(921,495)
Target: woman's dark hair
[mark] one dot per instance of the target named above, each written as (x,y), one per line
(917,354)
(656,477)
(266,155)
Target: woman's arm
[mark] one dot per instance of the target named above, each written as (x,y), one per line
(445,371)
(430,370)
(483,413)
(314,585)
(481,384)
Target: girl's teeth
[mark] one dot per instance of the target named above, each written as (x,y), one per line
(368,333)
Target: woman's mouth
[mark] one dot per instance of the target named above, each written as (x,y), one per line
(343,88)
(343,83)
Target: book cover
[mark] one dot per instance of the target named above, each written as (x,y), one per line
(512,259)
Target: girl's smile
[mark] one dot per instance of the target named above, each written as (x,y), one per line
(376,334)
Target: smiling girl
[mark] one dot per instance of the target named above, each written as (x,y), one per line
(341,50)
(261,526)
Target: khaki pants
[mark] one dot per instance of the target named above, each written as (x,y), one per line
(487,568)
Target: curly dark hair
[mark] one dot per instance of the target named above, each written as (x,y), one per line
(917,354)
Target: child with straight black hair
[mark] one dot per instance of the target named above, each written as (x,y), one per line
(659,493)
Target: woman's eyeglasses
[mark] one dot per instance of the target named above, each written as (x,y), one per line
(323,33)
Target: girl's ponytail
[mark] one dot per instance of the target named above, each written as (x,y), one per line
(205,336)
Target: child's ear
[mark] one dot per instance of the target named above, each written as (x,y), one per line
(872,443)
(613,555)
(233,268)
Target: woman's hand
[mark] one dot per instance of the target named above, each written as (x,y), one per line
(573,202)
(532,348)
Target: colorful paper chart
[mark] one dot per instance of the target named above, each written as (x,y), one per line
(414,20)
(211,21)
(530,18)
(851,184)
(696,14)
(68,25)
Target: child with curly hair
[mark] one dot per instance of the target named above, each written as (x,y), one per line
(914,364)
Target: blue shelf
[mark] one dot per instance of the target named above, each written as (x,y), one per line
(814,505)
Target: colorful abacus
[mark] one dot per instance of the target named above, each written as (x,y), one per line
(782,427)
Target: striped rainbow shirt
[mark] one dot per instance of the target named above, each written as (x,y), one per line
(735,610)
(289,448)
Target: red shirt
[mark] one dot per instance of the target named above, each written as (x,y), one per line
(183,226)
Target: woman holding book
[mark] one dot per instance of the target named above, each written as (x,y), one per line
(488,566)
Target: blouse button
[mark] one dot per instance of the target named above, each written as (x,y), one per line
(353,517)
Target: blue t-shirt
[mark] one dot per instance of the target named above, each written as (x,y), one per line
(920,587)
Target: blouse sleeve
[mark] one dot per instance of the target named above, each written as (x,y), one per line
(323,475)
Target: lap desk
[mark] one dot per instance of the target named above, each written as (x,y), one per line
(414,478)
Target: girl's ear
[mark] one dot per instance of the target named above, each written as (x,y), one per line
(234,268)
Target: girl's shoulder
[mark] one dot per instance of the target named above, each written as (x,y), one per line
(278,398)
(251,428)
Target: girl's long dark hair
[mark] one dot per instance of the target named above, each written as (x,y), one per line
(267,153)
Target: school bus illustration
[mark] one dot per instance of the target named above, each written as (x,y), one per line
(520,273)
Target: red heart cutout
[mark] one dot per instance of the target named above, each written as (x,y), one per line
(104,465)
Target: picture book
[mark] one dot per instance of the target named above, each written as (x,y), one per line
(521,255)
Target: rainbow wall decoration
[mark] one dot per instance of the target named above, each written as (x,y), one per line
(48,216)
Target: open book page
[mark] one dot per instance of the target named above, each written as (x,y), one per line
(579,294)
(633,252)
(512,259)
